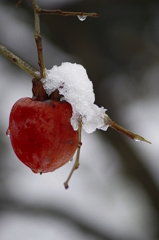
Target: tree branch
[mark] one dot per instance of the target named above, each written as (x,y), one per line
(66,13)
(37,36)
(18,61)
(125,131)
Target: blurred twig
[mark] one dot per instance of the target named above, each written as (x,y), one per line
(134,167)
(39,210)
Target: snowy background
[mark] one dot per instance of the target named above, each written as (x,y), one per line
(114,194)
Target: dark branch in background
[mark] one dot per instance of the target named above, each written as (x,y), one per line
(18,3)
(11,205)
(134,167)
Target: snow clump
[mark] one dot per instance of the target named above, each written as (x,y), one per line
(73,83)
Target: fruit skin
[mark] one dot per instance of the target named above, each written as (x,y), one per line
(41,133)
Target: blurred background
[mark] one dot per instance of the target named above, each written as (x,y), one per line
(114,195)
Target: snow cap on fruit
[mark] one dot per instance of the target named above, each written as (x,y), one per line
(72,81)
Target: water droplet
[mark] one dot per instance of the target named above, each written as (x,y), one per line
(70,161)
(8,132)
(137,139)
(140,139)
(82,17)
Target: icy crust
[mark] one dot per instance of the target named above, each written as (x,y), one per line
(73,83)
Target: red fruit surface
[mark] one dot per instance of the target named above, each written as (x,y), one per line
(41,134)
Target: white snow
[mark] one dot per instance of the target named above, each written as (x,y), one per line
(72,81)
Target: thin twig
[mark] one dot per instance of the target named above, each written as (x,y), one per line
(18,3)
(126,132)
(23,65)
(66,13)
(37,36)
(76,164)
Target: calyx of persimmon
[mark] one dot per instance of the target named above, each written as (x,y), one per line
(39,93)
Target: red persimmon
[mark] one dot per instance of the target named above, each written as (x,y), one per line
(41,134)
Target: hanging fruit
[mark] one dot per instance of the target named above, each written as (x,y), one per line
(40,131)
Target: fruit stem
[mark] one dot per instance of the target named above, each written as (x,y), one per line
(126,132)
(76,164)
(18,61)
(39,93)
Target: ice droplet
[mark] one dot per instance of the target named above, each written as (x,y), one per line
(82,17)
(8,132)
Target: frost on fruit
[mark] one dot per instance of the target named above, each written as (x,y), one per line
(72,81)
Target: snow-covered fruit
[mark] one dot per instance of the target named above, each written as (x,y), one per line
(45,130)
(40,131)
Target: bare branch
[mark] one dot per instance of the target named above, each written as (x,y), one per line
(18,3)
(38,41)
(126,132)
(66,13)
(23,65)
